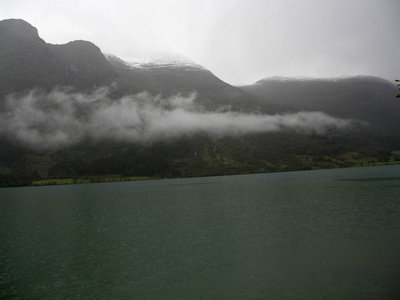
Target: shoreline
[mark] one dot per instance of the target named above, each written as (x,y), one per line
(116,178)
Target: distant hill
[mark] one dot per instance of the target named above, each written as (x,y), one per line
(366,98)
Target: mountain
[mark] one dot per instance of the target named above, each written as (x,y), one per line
(366,98)
(27,62)
(275,124)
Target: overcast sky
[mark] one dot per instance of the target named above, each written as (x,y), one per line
(240,41)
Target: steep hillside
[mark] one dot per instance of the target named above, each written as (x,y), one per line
(27,62)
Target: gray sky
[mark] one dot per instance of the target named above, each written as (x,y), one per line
(240,41)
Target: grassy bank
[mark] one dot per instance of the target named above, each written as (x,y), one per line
(92,179)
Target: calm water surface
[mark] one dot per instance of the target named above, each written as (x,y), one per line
(331,234)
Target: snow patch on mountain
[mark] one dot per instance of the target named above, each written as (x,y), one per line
(161,60)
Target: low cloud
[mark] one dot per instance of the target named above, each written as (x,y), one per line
(63,117)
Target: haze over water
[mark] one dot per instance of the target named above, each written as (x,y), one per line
(331,234)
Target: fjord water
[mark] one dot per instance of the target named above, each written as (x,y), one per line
(330,234)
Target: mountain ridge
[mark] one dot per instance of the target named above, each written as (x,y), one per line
(323,79)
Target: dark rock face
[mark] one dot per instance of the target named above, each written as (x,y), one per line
(25,59)
(82,64)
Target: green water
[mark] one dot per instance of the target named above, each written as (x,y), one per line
(331,234)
